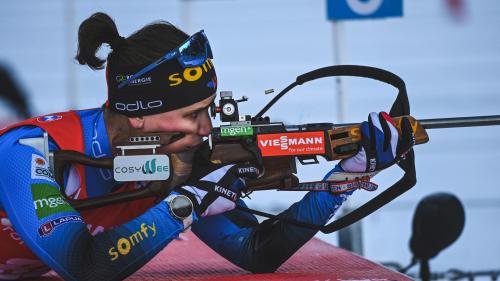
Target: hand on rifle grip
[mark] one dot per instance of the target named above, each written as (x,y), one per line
(381,144)
(407,138)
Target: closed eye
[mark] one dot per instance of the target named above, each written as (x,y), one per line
(193,115)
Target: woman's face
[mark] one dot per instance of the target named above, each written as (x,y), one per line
(193,121)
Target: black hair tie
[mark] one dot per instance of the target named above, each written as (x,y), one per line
(117,43)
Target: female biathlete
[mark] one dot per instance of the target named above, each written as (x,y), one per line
(151,88)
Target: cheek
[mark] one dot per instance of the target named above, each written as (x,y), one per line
(177,125)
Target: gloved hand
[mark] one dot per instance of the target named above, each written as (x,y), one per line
(381,144)
(381,147)
(218,190)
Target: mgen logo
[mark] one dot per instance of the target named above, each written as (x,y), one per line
(292,143)
(47,200)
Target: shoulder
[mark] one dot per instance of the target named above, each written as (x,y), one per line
(10,140)
(88,113)
(13,136)
(17,158)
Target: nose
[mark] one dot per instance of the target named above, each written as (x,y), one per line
(205,124)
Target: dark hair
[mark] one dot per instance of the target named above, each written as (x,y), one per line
(142,47)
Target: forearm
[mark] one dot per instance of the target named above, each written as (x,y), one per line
(272,243)
(264,247)
(57,234)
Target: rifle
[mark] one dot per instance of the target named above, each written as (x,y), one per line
(276,147)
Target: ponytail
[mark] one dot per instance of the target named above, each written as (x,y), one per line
(93,32)
(142,47)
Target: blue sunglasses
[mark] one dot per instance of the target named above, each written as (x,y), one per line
(192,52)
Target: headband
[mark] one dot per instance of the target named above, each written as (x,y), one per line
(165,88)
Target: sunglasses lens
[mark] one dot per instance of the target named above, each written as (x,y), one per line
(195,51)
(209,51)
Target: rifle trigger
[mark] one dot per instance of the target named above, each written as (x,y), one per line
(308,160)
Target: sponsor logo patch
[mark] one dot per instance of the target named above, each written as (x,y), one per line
(138,105)
(191,74)
(229,194)
(47,228)
(48,201)
(125,244)
(138,81)
(338,188)
(248,170)
(234,131)
(40,169)
(141,167)
(292,143)
(48,118)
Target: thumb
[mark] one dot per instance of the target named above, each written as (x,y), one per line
(407,139)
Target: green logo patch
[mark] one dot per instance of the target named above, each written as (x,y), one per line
(47,200)
(236,131)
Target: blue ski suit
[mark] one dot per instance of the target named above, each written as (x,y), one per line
(41,231)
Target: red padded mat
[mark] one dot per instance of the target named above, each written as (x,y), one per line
(190,259)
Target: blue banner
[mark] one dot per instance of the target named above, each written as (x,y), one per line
(363,9)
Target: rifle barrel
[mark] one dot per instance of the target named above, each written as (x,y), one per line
(455,122)
(474,121)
